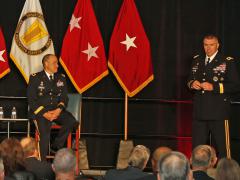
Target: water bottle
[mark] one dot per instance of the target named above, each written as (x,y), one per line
(1,113)
(14,113)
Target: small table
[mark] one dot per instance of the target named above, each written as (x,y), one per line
(8,120)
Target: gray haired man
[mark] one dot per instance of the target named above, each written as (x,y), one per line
(174,166)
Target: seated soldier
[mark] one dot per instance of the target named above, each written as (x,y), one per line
(47,98)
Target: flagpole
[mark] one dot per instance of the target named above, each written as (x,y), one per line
(80,120)
(78,135)
(227,139)
(126,117)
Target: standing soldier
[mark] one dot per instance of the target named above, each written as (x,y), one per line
(213,79)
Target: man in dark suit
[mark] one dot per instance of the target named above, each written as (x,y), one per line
(137,162)
(201,161)
(47,98)
(213,79)
(42,169)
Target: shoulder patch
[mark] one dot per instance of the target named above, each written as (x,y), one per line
(229,58)
(194,57)
(63,75)
(34,74)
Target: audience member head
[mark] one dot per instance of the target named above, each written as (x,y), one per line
(227,169)
(64,164)
(174,166)
(29,146)
(1,169)
(157,155)
(201,157)
(12,154)
(139,157)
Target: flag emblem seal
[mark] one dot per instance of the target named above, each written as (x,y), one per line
(35,32)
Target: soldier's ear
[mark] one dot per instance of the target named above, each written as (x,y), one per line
(46,64)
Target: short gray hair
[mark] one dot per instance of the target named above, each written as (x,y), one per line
(174,166)
(64,161)
(227,169)
(201,156)
(211,36)
(45,58)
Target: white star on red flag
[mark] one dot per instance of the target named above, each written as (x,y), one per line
(1,56)
(74,23)
(91,51)
(129,42)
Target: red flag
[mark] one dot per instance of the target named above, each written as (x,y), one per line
(4,67)
(130,53)
(83,56)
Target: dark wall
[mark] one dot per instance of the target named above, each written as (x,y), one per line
(161,113)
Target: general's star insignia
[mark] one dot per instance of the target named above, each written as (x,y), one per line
(91,51)
(74,23)
(1,56)
(129,42)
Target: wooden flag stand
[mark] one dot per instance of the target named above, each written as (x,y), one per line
(126,146)
(83,158)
